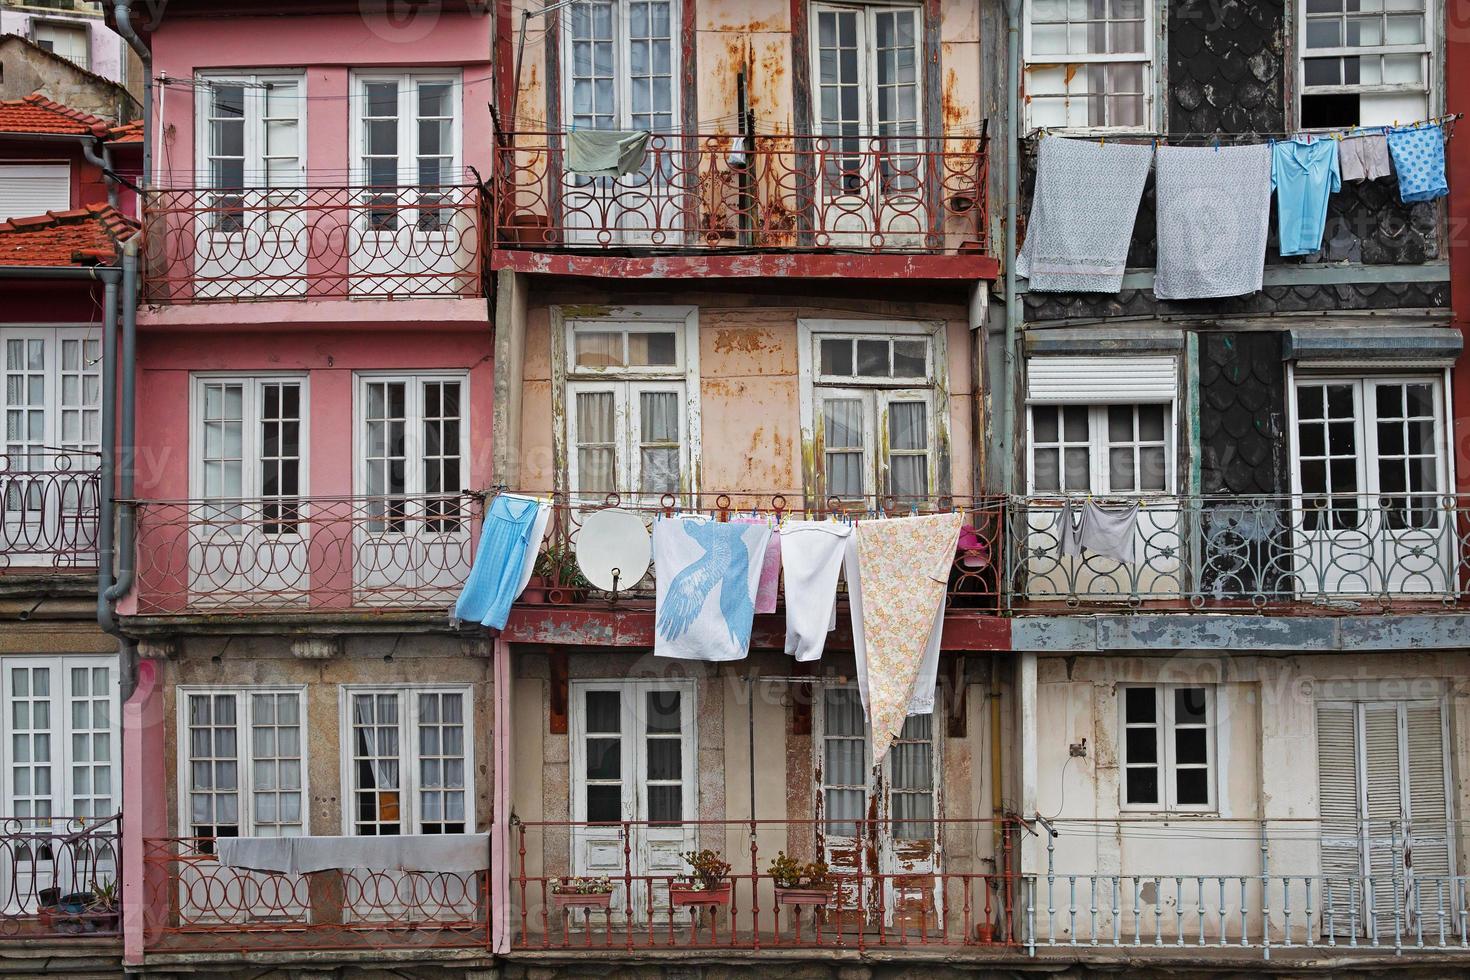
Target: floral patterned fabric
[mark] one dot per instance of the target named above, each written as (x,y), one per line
(901,570)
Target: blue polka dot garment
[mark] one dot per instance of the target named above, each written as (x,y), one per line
(1418,158)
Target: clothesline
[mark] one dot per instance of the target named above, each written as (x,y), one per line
(1255,137)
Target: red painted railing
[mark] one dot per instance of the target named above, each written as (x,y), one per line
(48,509)
(58,877)
(974,581)
(211,245)
(924,194)
(297,553)
(194,904)
(898,890)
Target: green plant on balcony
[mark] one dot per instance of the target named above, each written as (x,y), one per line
(561,579)
(788,872)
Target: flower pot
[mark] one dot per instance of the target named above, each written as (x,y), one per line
(535,590)
(586,900)
(682,895)
(985,933)
(564,596)
(803,896)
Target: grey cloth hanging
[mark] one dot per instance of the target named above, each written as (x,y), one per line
(606,152)
(1107,531)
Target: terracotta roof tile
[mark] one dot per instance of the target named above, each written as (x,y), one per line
(127,133)
(85,236)
(39,115)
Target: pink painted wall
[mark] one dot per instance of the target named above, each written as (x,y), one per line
(328,48)
(328,358)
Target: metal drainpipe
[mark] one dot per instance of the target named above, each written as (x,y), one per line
(99,155)
(122,17)
(126,537)
(1013,188)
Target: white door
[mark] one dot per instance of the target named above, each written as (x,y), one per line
(620,75)
(1370,475)
(251,231)
(1386,827)
(870,159)
(411,233)
(60,719)
(248,536)
(877,830)
(633,787)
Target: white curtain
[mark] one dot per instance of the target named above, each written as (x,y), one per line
(908,444)
(842,424)
(844,761)
(658,451)
(596,454)
(375,724)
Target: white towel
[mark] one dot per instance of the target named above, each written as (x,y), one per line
(410,852)
(811,560)
(708,573)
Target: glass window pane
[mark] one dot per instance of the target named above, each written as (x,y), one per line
(872,359)
(1140,705)
(604,711)
(836,356)
(663,712)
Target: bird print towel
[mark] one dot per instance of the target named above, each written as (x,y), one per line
(902,569)
(708,573)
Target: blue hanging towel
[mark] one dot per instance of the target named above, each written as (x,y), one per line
(1418,158)
(496,578)
(1304,175)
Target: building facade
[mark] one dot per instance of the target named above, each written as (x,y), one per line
(383,278)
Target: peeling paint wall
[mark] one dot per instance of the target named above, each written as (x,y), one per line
(389,661)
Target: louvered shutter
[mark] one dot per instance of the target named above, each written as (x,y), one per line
(1384,785)
(1341,834)
(28,190)
(1102,380)
(1432,896)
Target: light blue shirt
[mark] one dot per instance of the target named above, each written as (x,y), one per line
(1303,174)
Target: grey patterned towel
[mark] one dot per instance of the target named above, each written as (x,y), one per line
(1214,215)
(1082,215)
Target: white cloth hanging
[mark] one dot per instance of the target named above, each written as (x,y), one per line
(812,554)
(708,573)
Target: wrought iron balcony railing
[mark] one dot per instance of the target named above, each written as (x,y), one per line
(297,553)
(58,877)
(378,242)
(1342,553)
(195,904)
(48,509)
(913,193)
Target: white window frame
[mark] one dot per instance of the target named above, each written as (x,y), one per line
(255,143)
(1164,727)
(408,136)
(815,387)
(621,65)
(869,124)
(63,802)
(1365,417)
(410,818)
(413,435)
(626,383)
(54,338)
(1098,446)
(1431,50)
(251,442)
(244,751)
(55,23)
(1151,58)
(634,781)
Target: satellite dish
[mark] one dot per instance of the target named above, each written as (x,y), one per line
(613,549)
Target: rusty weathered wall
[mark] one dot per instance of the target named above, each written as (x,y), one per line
(720,39)
(389,661)
(749,386)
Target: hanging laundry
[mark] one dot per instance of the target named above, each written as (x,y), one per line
(1214,216)
(606,152)
(708,573)
(509,542)
(1363,157)
(1418,157)
(770,587)
(812,553)
(1107,531)
(1082,215)
(897,574)
(1304,174)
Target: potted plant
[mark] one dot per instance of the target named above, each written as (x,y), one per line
(577,892)
(707,883)
(564,581)
(48,902)
(800,884)
(102,912)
